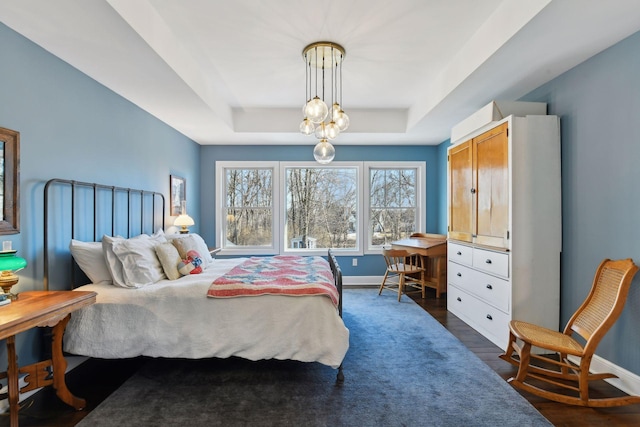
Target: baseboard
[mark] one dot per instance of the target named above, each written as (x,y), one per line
(626,381)
(361,281)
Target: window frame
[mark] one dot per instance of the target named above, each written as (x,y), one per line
(357,251)
(421,202)
(221,197)
(363,204)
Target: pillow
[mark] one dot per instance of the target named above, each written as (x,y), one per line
(169,259)
(195,242)
(192,264)
(90,259)
(113,263)
(140,264)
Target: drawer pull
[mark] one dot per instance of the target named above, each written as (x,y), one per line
(459,299)
(459,253)
(489,317)
(459,275)
(488,261)
(489,287)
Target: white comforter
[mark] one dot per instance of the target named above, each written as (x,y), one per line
(175,319)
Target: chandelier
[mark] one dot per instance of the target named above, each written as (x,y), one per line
(323,72)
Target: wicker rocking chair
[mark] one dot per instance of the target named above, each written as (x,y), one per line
(591,321)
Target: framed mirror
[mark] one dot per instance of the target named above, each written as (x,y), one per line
(9,181)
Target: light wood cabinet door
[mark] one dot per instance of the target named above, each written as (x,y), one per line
(461,225)
(491,185)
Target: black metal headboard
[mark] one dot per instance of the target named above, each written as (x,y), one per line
(87,211)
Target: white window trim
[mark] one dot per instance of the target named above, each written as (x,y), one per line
(221,192)
(421,202)
(357,251)
(279,243)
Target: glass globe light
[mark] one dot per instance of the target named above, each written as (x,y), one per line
(342,120)
(335,110)
(321,131)
(307,127)
(316,110)
(332,130)
(324,152)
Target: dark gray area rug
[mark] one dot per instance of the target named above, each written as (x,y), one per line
(402,369)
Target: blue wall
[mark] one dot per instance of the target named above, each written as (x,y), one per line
(599,106)
(72,127)
(367,265)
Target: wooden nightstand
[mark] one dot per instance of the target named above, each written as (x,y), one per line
(39,309)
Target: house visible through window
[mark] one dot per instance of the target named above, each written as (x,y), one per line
(303,207)
(392,204)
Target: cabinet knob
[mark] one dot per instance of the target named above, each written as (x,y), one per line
(488,261)
(489,317)
(473,191)
(459,253)
(489,287)
(459,275)
(459,299)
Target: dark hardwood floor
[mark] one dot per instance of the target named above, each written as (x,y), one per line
(557,413)
(95,380)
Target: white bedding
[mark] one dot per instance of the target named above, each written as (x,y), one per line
(175,319)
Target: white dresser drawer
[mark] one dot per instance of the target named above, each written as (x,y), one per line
(460,275)
(491,262)
(488,320)
(460,253)
(491,289)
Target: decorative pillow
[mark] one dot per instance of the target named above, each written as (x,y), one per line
(140,264)
(193,241)
(90,258)
(192,264)
(169,258)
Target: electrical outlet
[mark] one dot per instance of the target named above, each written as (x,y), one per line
(354,262)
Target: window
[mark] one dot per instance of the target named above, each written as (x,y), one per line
(303,207)
(393,204)
(247,209)
(321,208)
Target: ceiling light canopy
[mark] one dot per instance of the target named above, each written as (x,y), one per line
(323,74)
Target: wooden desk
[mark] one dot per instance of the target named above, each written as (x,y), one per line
(434,251)
(38,309)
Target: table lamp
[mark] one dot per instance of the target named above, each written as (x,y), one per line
(9,264)
(183,221)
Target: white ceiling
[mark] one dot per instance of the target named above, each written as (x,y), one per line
(231,71)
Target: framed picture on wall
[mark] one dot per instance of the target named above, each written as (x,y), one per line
(177,194)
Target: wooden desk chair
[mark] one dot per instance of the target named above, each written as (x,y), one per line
(434,268)
(591,322)
(403,269)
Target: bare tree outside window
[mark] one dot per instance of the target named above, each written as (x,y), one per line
(392,205)
(249,206)
(321,208)
(302,207)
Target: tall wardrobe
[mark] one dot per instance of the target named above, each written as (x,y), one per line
(505,219)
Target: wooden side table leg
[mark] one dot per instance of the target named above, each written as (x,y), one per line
(12,381)
(60,367)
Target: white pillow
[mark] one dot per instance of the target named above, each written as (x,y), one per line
(90,258)
(201,246)
(113,263)
(140,264)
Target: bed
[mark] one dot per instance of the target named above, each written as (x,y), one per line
(191,316)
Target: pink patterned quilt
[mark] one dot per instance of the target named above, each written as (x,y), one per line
(277,275)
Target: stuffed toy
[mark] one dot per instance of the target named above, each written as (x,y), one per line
(191,265)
